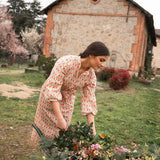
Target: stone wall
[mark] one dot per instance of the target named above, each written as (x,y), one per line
(73,25)
(156,56)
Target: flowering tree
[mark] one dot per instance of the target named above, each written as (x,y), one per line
(32,40)
(8,39)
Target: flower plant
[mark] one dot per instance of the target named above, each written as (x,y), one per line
(117,78)
(105,74)
(78,143)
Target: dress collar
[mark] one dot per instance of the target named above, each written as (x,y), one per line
(86,72)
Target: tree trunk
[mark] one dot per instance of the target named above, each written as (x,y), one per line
(11,59)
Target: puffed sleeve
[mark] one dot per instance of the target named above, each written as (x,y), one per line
(51,89)
(88,102)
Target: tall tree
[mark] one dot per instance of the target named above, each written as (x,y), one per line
(25,14)
(19,16)
(38,19)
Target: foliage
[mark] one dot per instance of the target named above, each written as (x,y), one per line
(78,143)
(32,40)
(148,57)
(25,14)
(145,75)
(105,74)
(46,64)
(119,79)
(75,137)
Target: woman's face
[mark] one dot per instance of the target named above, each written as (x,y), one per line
(97,62)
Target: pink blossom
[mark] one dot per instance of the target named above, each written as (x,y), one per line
(120,149)
(8,39)
(95,146)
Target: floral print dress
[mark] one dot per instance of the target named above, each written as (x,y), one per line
(61,86)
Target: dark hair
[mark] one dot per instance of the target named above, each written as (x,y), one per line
(96,49)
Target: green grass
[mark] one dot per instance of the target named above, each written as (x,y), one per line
(129,116)
(31,79)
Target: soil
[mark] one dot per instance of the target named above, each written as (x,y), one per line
(11,72)
(100,87)
(15,140)
(22,91)
(17,89)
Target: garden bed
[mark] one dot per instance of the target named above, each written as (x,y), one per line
(131,115)
(78,143)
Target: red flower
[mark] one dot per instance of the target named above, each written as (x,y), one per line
(75,147)
(92,153)
(102,136)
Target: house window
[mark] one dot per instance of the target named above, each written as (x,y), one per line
(95,1)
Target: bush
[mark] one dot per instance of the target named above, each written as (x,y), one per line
(120,79)
(105,74)
(46,64)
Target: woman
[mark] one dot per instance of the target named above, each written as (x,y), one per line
(69,74)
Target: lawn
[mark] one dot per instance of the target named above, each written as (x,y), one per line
(131,115)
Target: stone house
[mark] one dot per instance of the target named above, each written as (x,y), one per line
(156,53)
(125,27)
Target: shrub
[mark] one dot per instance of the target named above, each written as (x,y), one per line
(105,74)
(120,79)
(46,64)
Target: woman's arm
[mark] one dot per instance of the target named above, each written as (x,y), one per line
(61,123)
(90,119)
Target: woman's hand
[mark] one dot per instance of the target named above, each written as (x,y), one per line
(90,119)
(62,124)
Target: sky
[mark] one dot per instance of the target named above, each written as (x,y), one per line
(152,6)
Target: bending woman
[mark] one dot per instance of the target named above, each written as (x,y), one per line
(69,74)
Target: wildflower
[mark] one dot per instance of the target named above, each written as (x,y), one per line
(95,146)
(102,136)
(135,151)
(121,149)
(109,154)
(75,147)
(96,152)
(92,153)
(44,158)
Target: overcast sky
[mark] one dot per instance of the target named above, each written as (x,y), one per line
(152,6)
